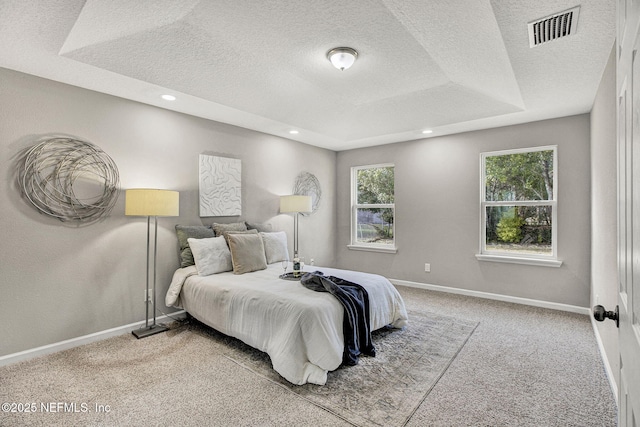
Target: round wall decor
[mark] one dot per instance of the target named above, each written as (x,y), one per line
(308,185)
(69,179)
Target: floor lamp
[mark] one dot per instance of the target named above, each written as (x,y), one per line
(297,205)
(152,204)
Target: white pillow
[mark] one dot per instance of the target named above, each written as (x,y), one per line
(275,246)
(211,255)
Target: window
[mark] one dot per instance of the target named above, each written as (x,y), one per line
(519,206)
(373,208)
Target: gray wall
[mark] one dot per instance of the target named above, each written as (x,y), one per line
(59,281)
(604,269)
(437,212)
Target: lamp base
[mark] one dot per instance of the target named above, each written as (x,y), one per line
(149,330)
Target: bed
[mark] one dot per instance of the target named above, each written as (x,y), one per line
(300,330)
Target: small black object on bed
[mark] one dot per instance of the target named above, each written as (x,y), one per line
(290,276)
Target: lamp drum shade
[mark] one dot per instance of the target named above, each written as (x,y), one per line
(150,202)
(296,204)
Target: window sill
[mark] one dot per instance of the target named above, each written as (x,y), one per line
(388,250)
(520,260)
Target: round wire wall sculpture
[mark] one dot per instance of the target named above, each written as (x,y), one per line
(69,179)
(308,185)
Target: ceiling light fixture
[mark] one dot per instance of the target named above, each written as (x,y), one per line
(294,132)
(342,57)
(168,97)
(427,131)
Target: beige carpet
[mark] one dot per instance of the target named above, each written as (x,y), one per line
(193,375)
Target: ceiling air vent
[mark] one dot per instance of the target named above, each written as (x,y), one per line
(553,27)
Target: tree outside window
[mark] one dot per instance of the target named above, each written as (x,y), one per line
(519,202)
(373,208)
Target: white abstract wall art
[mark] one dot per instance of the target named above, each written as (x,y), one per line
(220,186)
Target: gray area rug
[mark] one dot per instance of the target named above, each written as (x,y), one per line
(383,390)
(195,376)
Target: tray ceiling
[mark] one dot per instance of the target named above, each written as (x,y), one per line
(450,66)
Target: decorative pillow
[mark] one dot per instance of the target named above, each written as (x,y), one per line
(275,246)
(219,229)
(247,252)
(264,227)
(226,233)
(184,232)
(211,255)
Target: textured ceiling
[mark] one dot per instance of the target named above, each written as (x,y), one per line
(450,66)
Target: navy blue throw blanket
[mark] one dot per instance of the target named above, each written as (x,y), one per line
(355,300)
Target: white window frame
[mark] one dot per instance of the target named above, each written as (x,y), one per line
(515,257)
(373,247)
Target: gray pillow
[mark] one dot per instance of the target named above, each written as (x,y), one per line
(220,229)
(275,246)
(247,252)
(211,255)
(184,232)
(264,227)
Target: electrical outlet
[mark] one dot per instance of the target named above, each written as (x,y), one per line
(148,295)
(427,267)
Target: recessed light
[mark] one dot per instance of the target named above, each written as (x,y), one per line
(427,131)
(168,97)
(294,132)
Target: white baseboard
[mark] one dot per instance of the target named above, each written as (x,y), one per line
(497,297)
(75,342)
(605,361)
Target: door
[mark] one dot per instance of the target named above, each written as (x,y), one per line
(628,86)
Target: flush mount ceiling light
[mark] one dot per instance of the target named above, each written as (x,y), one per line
(342,57)
(168,97)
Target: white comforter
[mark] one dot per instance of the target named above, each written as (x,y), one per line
(300,330)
